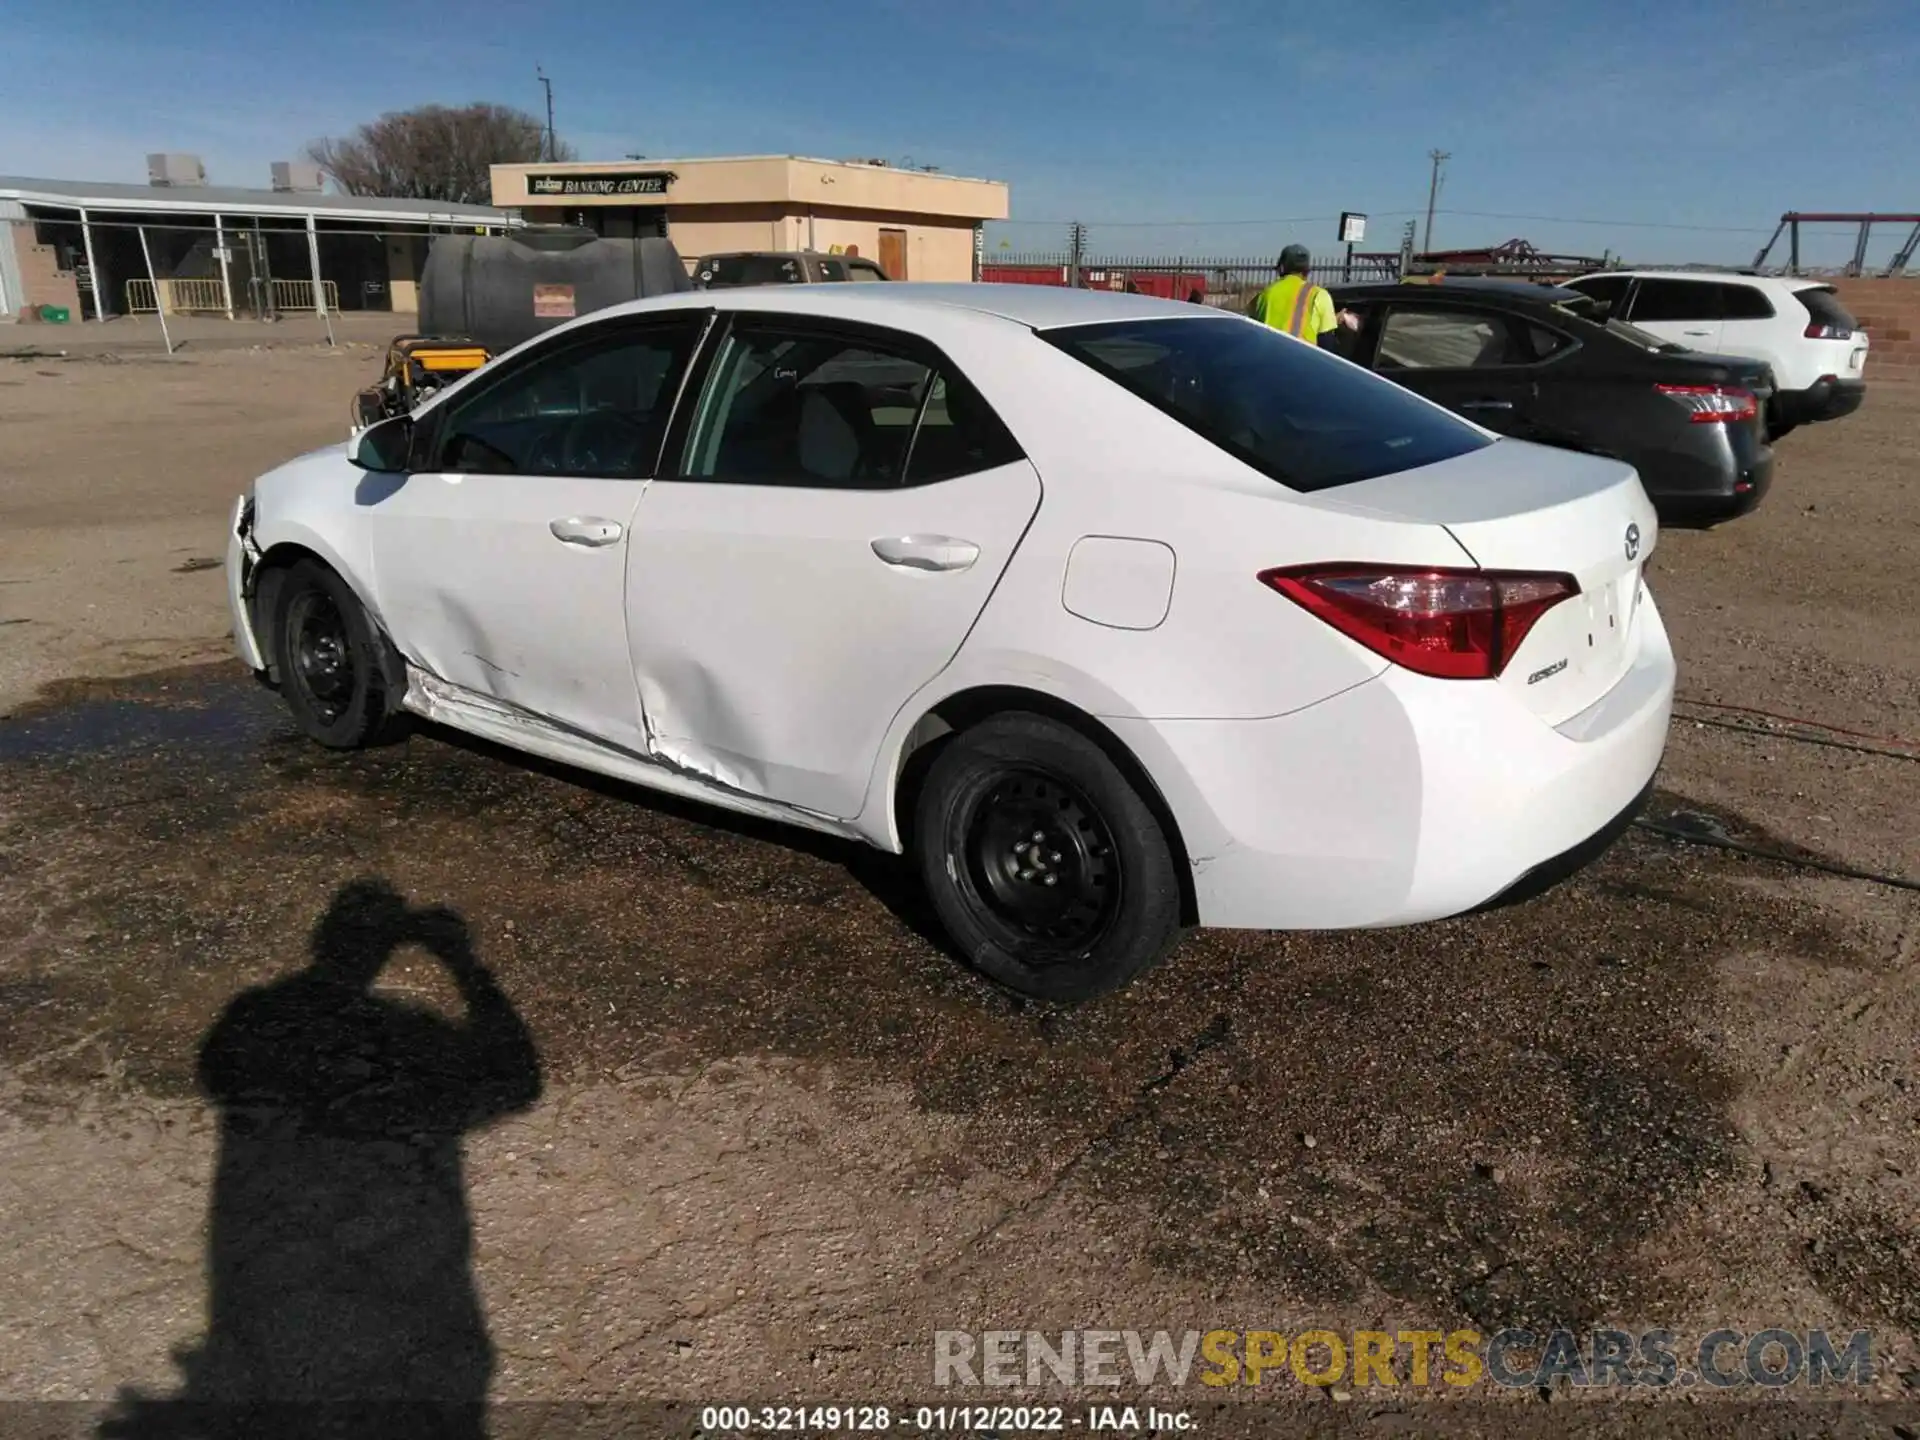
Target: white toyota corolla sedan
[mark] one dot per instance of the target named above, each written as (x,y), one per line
(1117,615)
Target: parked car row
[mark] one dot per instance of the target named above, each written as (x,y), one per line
(1116,615)
(1551,365)
(1687,377)
(1799,327)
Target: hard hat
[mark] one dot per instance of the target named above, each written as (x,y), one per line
(1295,257)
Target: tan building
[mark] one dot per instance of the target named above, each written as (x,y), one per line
(919,225)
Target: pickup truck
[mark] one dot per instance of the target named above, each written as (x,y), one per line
(780,267)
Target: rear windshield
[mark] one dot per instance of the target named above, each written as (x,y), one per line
(1825,307)
(725,271)
(1289,410)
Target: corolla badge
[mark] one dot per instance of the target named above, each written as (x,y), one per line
(1633,541)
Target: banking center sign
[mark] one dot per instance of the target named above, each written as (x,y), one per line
(653,182)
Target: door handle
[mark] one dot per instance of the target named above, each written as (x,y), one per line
(586,530)
(1486,404)
(1696,332)
(926,552)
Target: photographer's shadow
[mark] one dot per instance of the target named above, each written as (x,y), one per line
(340,1245)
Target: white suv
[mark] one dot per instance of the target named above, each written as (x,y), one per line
(1817,350)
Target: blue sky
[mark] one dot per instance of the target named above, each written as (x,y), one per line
(1206,126)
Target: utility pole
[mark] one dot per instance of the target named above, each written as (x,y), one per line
(1077,250)
(551,154)
(1439,158)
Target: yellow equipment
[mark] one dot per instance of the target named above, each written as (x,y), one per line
(417,365)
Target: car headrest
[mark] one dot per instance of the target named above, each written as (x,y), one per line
(833,430)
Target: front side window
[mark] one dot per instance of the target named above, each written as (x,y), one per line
(595,406)
(865,270)
(1675,300)
(789,406)
(1423,337)
(1290,411)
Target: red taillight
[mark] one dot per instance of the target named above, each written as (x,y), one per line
(1713,404)
(1452,624)
(1817,331)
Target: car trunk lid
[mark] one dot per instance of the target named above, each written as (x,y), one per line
(1523,507)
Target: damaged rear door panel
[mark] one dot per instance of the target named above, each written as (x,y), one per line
(843,507)
(774,641)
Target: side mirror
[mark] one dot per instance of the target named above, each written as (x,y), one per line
(384,448)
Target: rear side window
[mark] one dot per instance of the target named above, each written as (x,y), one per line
(1825,307)
(958,433)
(1287,409)
(1673,300)
(1745,302)
(787,405)
(1544,344)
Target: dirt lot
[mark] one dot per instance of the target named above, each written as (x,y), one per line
(746,1134)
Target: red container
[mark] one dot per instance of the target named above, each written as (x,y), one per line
(1165,284)
(1023,274)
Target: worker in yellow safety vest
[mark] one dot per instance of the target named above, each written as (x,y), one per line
(1295,304)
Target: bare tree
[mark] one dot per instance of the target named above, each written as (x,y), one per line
(434,153)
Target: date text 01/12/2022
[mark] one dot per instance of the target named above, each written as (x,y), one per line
(941,1419)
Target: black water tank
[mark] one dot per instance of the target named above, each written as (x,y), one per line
(503,289)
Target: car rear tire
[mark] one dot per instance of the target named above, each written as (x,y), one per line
(1046,866)
(330,658)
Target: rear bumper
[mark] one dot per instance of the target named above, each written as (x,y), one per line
(1406,799)
(1828,399)
(1723,485)
(1571,861)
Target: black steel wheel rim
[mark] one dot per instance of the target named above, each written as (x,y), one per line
(322,654)
(1041,860)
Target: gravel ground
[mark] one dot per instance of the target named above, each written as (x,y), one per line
(723,1123)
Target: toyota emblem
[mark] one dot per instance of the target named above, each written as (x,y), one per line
(1633,541)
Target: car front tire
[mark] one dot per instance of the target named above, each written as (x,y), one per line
(1047,867)
(329,656)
